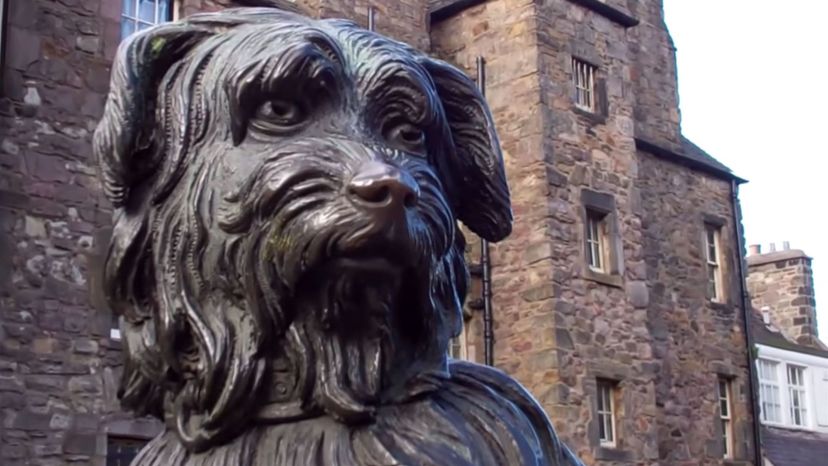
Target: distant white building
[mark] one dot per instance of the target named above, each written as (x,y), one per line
(791,361)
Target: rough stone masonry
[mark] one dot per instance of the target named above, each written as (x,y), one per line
(647,326)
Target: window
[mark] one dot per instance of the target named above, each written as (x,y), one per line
(457,346)
(115,328)
(769,396)
(606,413)
(141,14)
(796,395)
(714,270)
(603,256)
(120,451)
(583,78)
(726,417)
(596,241)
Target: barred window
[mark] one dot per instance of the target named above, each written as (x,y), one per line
(583,78)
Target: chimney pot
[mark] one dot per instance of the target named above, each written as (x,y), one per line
(755,249)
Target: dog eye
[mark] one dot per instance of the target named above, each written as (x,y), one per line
(280,112)
(407,134)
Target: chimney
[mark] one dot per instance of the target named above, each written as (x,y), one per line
(786,245)
(781,285)
(754,249)
(772,247)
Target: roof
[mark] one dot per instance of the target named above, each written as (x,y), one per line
(691,156)
(695,153)
(787,447)
(765,336)
(776,256)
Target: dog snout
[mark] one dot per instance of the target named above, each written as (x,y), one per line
(383,187)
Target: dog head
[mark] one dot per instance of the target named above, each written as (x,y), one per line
(285,195)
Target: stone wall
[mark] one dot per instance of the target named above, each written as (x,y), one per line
(783,282)
(694,340)
(648,325)
(505,34)
(57,364)
(653,76)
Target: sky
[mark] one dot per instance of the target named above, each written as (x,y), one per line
(753,89)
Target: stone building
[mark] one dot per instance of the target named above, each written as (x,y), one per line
(618,300)
(792,362)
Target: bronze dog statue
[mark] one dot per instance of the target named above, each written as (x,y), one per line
(285,258)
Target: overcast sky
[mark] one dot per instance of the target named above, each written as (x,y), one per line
(753,87)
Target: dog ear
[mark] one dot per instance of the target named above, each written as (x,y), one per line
(123,142)
(482,197)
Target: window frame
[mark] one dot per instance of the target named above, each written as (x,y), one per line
(601,206)
(113,439)
(461,343)
(726,415)
(802,395)
(135,16)
(785,404)
(713,265)
(584,83)
(606,418)
(115,328)
(775,383)
(4,6)
(596,236)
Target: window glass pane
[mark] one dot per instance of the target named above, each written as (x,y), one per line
(164,10)
(127,27)
(146,10)
(128,7)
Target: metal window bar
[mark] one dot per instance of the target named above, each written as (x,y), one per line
(583,76)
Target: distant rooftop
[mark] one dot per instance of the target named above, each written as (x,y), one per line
(767,335)
(757,257)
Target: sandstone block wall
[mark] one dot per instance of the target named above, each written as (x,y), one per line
(58,367)
(694,340)
(650,326)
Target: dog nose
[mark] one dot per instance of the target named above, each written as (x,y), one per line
(382,186)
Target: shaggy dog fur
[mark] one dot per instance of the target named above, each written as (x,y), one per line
(268,317)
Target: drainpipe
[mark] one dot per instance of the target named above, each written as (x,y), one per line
(371,15)
(746,317)
(485,264)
